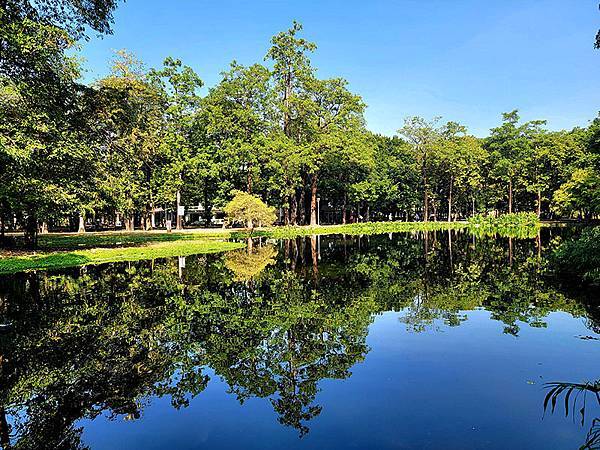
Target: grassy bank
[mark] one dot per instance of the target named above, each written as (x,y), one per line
(54,242)
(69,250)
(75,258)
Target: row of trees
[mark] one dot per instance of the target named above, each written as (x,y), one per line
(141,139)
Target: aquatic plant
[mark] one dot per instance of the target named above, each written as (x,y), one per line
(578,401)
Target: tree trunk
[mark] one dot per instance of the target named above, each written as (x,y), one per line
(472,206)
(294,210)
(249,179)
(450,199)
(44,229)
(450,250)
(510,196)
(313,200)
(344,209)
(81,228)
(178,216)
(539,203)
(315,258)
(31,231)
(425,198)
(302,203)
(286,101)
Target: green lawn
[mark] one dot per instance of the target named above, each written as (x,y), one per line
(75,258)
(53,242)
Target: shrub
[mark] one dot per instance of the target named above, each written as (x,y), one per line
(249,210)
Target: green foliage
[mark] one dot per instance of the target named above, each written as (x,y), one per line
(249,263)
(580,193)
(249,210)
(144,140)
(580,258)
(514,220)
(577,405)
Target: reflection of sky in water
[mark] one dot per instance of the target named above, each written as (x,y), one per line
(455,387)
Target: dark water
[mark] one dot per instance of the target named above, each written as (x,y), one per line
(376,342)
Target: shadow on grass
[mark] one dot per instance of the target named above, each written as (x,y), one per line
(85,241)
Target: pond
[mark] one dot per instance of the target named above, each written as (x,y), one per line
(410,340)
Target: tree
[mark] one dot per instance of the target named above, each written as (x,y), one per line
(27,25)
(44,142)
(129,132)
(510,145)
(581,193)
(336,131)
(239,116)
(179,85)
(249,209)
(291,73)
(461,159)
(423,137)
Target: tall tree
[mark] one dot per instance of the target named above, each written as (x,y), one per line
(291,72)
(510,145)
(129,130)
(239,117)
(336,131)
(423,137)
(180,86)
(461,158)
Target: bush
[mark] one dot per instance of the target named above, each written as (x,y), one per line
(249,210)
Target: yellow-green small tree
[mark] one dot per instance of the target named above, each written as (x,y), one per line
(249,210)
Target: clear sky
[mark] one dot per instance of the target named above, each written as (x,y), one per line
(464,60)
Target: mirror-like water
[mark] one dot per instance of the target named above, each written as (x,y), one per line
(394,341)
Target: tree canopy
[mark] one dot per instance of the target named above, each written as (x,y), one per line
(143,145)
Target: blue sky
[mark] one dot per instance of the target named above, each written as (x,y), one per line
(464,60)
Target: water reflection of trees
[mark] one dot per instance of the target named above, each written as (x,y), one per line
(104,339)
(436,280)
(272,323)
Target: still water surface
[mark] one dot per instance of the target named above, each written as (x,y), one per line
(392,341)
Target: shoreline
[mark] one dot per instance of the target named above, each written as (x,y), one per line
(62,250)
